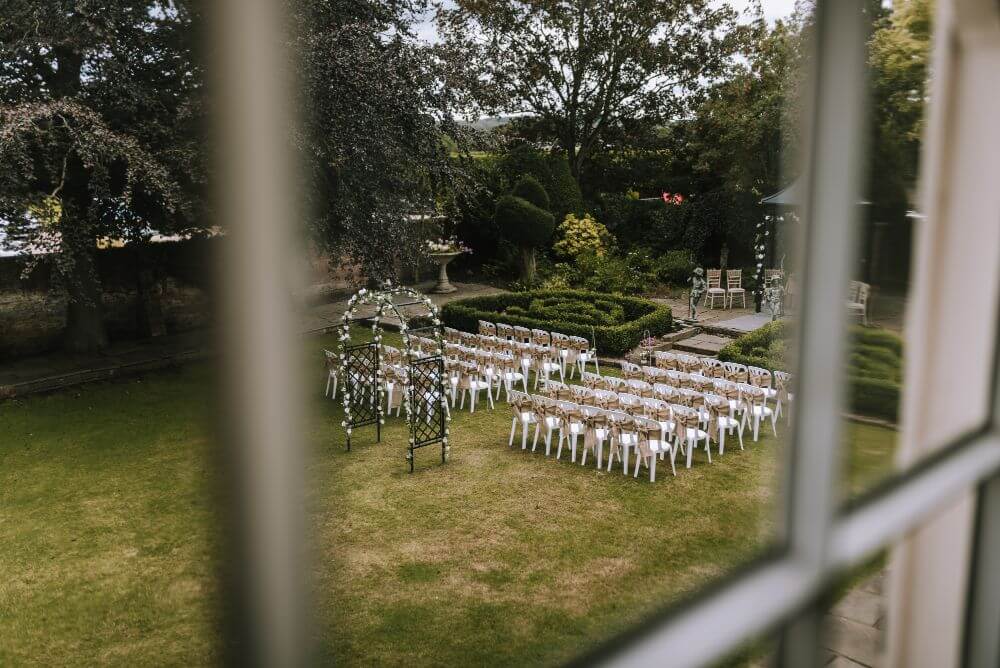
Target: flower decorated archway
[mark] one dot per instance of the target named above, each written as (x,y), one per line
(420,370)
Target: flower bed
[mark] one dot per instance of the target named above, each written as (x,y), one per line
(874,374)
(616,323)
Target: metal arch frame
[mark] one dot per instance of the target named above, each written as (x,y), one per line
(383,299)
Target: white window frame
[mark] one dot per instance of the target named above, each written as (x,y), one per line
(783,592)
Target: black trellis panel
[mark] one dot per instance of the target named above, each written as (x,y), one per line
(427,422)
(361,373)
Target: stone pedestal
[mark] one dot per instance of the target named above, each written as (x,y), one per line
(443,286)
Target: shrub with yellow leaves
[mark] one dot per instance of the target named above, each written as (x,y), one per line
(579,235)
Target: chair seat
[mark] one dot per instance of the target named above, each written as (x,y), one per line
(762,410)
(737,290)
(716,291)
(693,433)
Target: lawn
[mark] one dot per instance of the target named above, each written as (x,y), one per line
(499,557)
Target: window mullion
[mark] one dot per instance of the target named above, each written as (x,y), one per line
(835,128)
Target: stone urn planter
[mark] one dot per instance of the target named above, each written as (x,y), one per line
(443,286)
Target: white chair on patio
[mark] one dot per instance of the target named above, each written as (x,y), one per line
(715,289)
(734,287)
(857,300)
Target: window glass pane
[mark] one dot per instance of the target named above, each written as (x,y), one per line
(898,56)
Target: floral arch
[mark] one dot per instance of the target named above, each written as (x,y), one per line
(365,373)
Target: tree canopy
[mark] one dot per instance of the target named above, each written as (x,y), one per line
(100,108)
(588,70)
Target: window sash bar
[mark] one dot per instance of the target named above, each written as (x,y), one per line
(835,128)
(264,614)
(716,623)
(982,639)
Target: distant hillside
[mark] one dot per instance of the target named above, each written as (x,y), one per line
(489,122)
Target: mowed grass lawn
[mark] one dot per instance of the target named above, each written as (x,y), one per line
(499,557)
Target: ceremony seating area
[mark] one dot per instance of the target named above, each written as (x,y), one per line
(674,403)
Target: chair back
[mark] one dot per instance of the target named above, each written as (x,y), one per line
(615,384)
(640,387)
(522,334)
(452,335)
(771,273)
(631,370)
(606,399)
(591,381)
(505,331)
(629,402)
(581,395)
(759,377)
(734,279)
(736,372)
(665,392)
(665,359)
(863,291)
(541,337)
(487,328)
(714,279)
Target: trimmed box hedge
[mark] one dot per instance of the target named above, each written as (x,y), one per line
(874,373)
(616,323)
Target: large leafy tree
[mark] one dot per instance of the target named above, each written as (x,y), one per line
(99,133)
(897,56)
(588,70)
(378,129)
(743,130)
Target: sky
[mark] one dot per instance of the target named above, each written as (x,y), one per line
(773,10)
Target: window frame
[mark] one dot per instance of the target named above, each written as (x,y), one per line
(786,588)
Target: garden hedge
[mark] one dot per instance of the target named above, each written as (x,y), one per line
(616,323)
(874,373)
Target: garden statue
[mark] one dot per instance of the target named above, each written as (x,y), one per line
(774,297)
(698,287)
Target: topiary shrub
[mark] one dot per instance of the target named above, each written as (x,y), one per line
(874,373)
(551,170)
(615,323)
(529,189)
(524,219)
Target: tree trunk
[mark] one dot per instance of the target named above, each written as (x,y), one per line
(85,330)
(528,265)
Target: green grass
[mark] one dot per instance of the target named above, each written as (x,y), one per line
(499,557)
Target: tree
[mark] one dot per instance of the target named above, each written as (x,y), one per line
(377,129)
(524,218)
(743,130)
(100,113)
(897,56)
(587,69)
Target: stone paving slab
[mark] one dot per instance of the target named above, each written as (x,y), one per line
(861,643)
(859,605)
(703,344)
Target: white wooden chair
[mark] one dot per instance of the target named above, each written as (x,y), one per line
(754,400)
(687,425)
(650,444)
(574,424)
(473,381)
(332,373)
(624,436)
(857,300)
(715,289)
(523,408)
(734,287)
